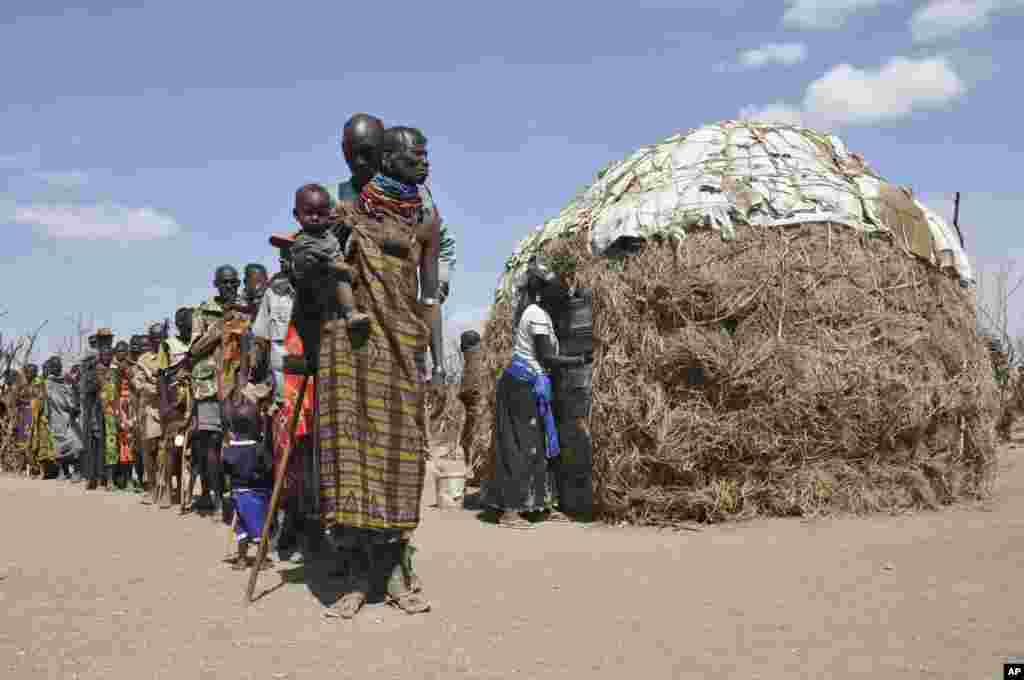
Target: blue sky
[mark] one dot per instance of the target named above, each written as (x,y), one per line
(144,143)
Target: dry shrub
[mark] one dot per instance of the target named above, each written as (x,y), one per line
(445,413)
(1011,402)
(796,371)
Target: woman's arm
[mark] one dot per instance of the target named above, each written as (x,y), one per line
(547,357)
(431,238)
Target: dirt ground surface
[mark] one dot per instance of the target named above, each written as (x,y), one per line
(96,586)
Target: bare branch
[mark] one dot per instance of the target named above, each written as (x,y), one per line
(32,340)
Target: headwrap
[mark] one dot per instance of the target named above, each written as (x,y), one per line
(386,196)
(469,340)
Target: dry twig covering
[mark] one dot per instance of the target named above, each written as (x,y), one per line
(796,370)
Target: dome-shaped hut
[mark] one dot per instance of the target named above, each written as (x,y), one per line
(779,331)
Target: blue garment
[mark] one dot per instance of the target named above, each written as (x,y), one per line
(542,392)
(251,505)
(248,465)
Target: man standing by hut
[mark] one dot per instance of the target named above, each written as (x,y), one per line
(144,381)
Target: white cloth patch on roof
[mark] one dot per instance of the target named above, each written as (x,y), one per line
(728,174)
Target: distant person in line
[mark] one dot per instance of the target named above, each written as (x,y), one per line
(205,357)
(522,486)
(172,356)
(471,391)
(126,412)
(144,380)
(42,444)
(62,397)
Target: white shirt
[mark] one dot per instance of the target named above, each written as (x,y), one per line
(534,321)
(272,320)
(272,324)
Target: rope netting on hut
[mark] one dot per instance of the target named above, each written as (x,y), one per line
(780,331)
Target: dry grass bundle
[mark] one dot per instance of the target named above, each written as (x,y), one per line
(801,370)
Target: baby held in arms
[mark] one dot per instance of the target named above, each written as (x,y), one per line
(317,254)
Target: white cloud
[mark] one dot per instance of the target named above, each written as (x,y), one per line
(847,95)
(778,112)
(940,19)
(824,14)
(98,221)
(786,54)
(850,95)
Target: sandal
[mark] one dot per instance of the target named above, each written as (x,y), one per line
(557,516)
(410,603)
(512,521)
(349,605)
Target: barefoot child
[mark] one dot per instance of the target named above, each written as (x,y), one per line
(248,462)
(317,253)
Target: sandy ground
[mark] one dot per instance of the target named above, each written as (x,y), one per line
(97,586)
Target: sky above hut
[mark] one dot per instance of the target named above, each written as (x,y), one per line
(144,144)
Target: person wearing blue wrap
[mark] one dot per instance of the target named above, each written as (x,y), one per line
(522,485)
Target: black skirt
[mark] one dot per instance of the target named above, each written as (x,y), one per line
(522,479)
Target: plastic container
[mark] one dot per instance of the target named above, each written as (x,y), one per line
(573,391)
(451,488)
(449,480)
(575,326)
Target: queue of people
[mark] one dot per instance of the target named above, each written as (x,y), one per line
(272,367)
(322,365)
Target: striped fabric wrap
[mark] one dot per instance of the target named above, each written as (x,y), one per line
(371,409)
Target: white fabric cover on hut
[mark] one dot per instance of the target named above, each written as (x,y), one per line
(743,172)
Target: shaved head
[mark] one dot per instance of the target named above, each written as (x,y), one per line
(360,142)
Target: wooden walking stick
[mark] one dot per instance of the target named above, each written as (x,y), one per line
(276,497)
(187,480)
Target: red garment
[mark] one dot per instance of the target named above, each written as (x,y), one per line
(126,422)
(283,418)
